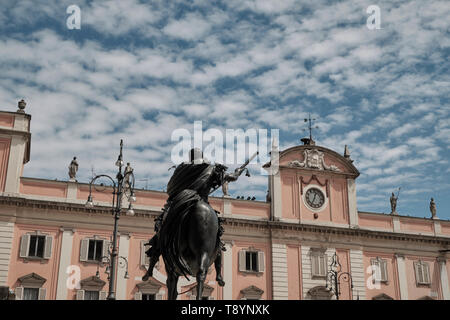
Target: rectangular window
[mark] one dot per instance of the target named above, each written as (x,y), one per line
(31,294)
(318,264)
(91,295)
(95,250)
(422,273)
(37,245)
(379,268)
(251,261)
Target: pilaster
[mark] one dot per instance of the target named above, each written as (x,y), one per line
(401,271)
(65,255)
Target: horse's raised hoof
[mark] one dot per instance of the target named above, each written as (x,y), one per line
(221,282)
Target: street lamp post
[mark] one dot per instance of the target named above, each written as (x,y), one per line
(334,277)
(124,185)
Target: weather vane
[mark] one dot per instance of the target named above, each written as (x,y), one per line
(310,127)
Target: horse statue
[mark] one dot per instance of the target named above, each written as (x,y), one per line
(187,233)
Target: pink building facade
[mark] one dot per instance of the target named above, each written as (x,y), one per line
(51,245)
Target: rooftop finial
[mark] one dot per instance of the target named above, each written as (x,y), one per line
(347,154)
(21,104)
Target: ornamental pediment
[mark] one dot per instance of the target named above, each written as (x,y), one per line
(313,159)
(316,158)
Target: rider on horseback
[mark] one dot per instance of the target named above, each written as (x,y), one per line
(191,182)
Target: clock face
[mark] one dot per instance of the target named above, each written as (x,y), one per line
(314,198)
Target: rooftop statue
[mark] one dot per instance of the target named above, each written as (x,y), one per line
(188,230)
(73,168)
(393,201)
(433,209)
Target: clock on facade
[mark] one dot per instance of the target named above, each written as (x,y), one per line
(315,198)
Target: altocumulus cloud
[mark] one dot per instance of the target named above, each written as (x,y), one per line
(139,70)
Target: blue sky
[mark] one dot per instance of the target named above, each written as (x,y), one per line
(139,70)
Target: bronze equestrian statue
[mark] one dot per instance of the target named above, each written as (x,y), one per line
(188,230)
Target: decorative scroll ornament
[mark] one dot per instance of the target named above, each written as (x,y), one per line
(313,159)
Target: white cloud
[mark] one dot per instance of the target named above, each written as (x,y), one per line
(192,27)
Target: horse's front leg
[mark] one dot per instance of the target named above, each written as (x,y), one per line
(172,281)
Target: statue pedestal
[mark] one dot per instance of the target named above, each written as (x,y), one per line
(72,189)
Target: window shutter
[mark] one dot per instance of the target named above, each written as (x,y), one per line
(427,267)
(19,293)
(384,272)
(322,264)
(24,245)
(419,274)
(84,253)
(105,251)
(242,260)
(261,261)
(80,294)
(48,247)
(143,255)
(315,265)
(42,293)
(159,296)
(138,296)
(426,273)
(102,295)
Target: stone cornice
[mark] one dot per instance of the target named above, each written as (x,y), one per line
(354,232)
(402,217)
(66,206)
(233,221)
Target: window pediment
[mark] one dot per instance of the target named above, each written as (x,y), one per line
(252,292)
(426,298)
(207,290)
(148,287)
(92,284)
(32,280)
(382,296)
(320,293)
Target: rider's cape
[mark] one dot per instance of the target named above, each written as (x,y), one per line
(183,187)
(189,176)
